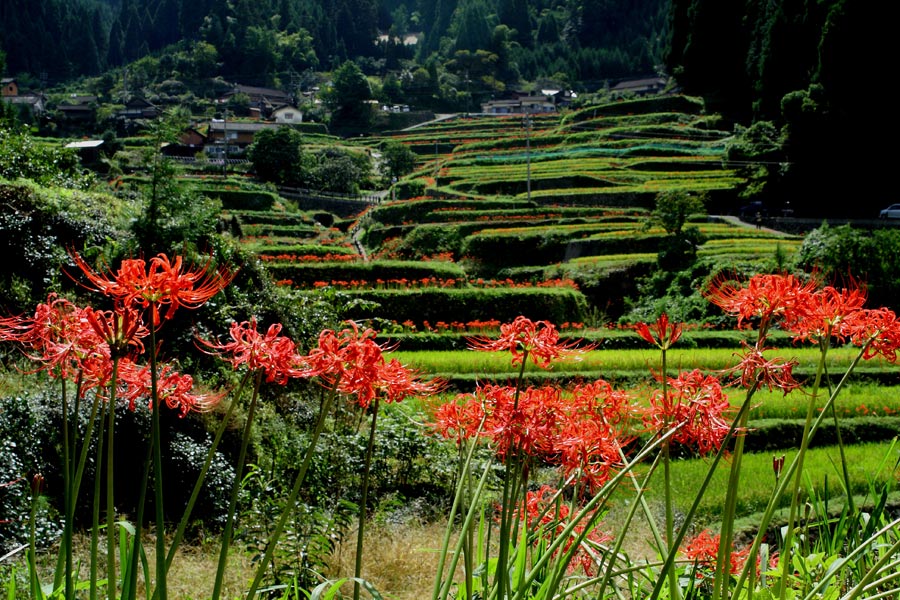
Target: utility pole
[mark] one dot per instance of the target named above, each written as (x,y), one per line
(526,122)
(225,143)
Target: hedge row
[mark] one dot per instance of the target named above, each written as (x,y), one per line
(414,211)
(603,339)
(242,199)
(779,434)
(296,231)
(548,247)
(309,273)
(656,104)
(523,214)
(271,217)
(301,249)
(632,243)
(557,305)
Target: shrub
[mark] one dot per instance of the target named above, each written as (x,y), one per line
(241,199)
(557,305)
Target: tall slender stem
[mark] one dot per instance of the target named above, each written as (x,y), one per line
(235,489)
(295,492)
(110,496)
(156,435)
(798,475)
(360,533)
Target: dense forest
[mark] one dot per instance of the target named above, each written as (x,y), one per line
(807,75)
(798,80)
(261,41)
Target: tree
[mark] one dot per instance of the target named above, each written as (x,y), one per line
(349,95)
(398,159)
(679,249)
(276,154)
(336,170)
(173,216)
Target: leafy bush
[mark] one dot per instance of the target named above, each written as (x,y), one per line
(241,199)
(557,305)
(309,273)
(23,157)
(31,430)
(36,227)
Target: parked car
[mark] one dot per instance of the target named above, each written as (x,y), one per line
(891,212)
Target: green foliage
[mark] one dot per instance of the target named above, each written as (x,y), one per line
(309,273)
(673,208)
(31,428)
(241,199)
(348,97)
(557,305)
(337,170)
(276,154)
(427,240)
(21,156)
(398,160)
(37,226)
(869,256)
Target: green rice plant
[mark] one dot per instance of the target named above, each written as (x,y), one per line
(638,360)
(856,400)
(758,480)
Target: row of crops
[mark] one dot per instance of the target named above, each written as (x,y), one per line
(509,215)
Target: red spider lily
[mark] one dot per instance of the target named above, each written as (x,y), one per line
(823,314)
(695,405)
(353,362)
(173,389)
(703,551)
(398,382)
(121,330)
(662,333)
(526,425)
(598,400)
(546,514)
(878,330)
(57,337)
(756,369)
(524,337)
(271,353)
(590,449)
(764,297)
(459,420)
(159,283)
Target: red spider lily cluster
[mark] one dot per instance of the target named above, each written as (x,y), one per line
(694,404)
(91,346)
(350,361)
(308,258)
(434,282)
(81,343)
(524,337)
(809,313)
(703,551)
(548,515)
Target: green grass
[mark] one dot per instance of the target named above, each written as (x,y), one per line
(488,363)
(868,463)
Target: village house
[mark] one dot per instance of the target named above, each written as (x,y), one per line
(9,87)
(640,87)
(287,114)
(78,108)
(189,143)
(11,93)
(262,100)
(139,108)
(524,104)
(237,135)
